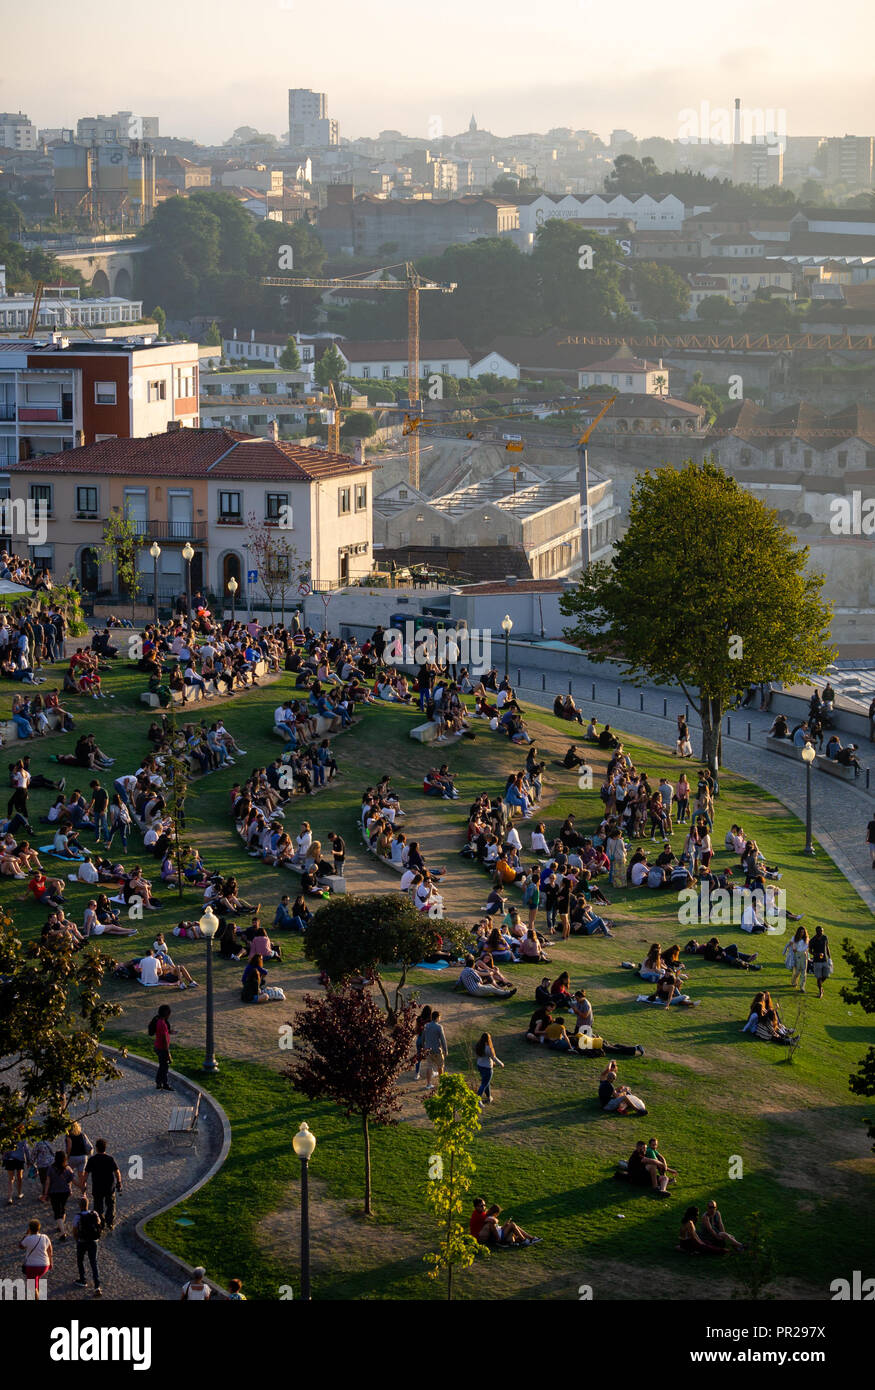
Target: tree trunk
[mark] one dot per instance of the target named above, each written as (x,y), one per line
(450,1190)
(367,1139)
(712,718)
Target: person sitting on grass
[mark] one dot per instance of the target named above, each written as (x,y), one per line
(617,1100)
(712,1230)
(689,1240)
(669,992)
(540,1021)
(646,1172)
(485,1227)
(475,982)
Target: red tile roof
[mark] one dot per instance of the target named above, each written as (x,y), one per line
(196,453)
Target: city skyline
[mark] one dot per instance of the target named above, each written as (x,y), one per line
(242,76)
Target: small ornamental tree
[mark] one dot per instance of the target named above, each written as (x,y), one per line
(862,992)
(454,1110)
(121,548)
(330,367)
(51,1020)
(353,1054)
(758,1268)
(707,590)
(290,358)
(352,934)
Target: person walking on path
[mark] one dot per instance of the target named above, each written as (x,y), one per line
(821,960)
(796,959)
(487,1061)
(434,1048)
(197,1290)
(15,1160)
(160,1030)
(38,1256)
(59,1182)
(87,1227)
(106,1181)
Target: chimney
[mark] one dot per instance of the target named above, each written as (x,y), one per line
(510,579)
(173,425)
(2,279)
(736,134)
(235,333)
(252,335)
(358,452)
(273,431)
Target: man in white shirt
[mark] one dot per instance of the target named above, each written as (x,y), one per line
(150,970)
(86,872)
(285,720)
(639,873)
(406,879)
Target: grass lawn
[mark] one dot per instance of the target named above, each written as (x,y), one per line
(546,1151)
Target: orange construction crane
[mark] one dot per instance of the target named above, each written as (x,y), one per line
(34,313)
(413,283)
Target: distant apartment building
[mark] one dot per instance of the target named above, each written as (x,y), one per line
(629,374)
(849,160)
(761,163)
(206,487)
(384,360)
(254,400)
(361,226)
(745,275)
(62,308)
(260,347)
(182,174)
(258,178)
(309,122)
(645,213)
(115,129)
(17,131)
(57,395)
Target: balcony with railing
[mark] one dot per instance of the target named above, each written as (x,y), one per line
(180,531)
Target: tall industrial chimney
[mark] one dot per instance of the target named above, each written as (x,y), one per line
(736,132)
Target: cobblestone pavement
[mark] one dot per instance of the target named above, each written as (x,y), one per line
(840,810)
(132,1116)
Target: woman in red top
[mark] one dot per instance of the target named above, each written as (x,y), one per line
(162,1031)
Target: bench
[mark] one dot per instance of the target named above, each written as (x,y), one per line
(427,733)
(183,1123)
(785,746)
(835,769)
(9,729)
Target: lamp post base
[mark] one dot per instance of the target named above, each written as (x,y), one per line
(210,1065)
(812,853)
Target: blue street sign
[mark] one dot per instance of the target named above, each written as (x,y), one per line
(252,576)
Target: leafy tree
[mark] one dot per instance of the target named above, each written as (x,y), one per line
(767,315)
(716,309)
(353,1054)
(330,367)
(454,1110)
(359,425)
(160,318)
(571,294)
(362,934)
(862,964)
(706,590)
(214,335)
(277,561)
(120,548)
(51,1021)
(663,293)
(290,358)
(707,397)
(177,775)
(758,1268)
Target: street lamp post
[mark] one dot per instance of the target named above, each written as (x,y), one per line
(303,1144)
(155,551)
(209,925)
(188,556)
(232,590)
(506,625)
(808,756)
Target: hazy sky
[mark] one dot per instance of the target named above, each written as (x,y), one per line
(207,66)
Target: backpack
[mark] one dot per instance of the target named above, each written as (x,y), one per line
(90,1226)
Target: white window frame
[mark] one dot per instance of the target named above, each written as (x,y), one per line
(106,387)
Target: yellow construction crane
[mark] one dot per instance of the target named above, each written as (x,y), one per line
(413,283)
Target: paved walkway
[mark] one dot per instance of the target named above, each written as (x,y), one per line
(840,810)
(132,1116)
